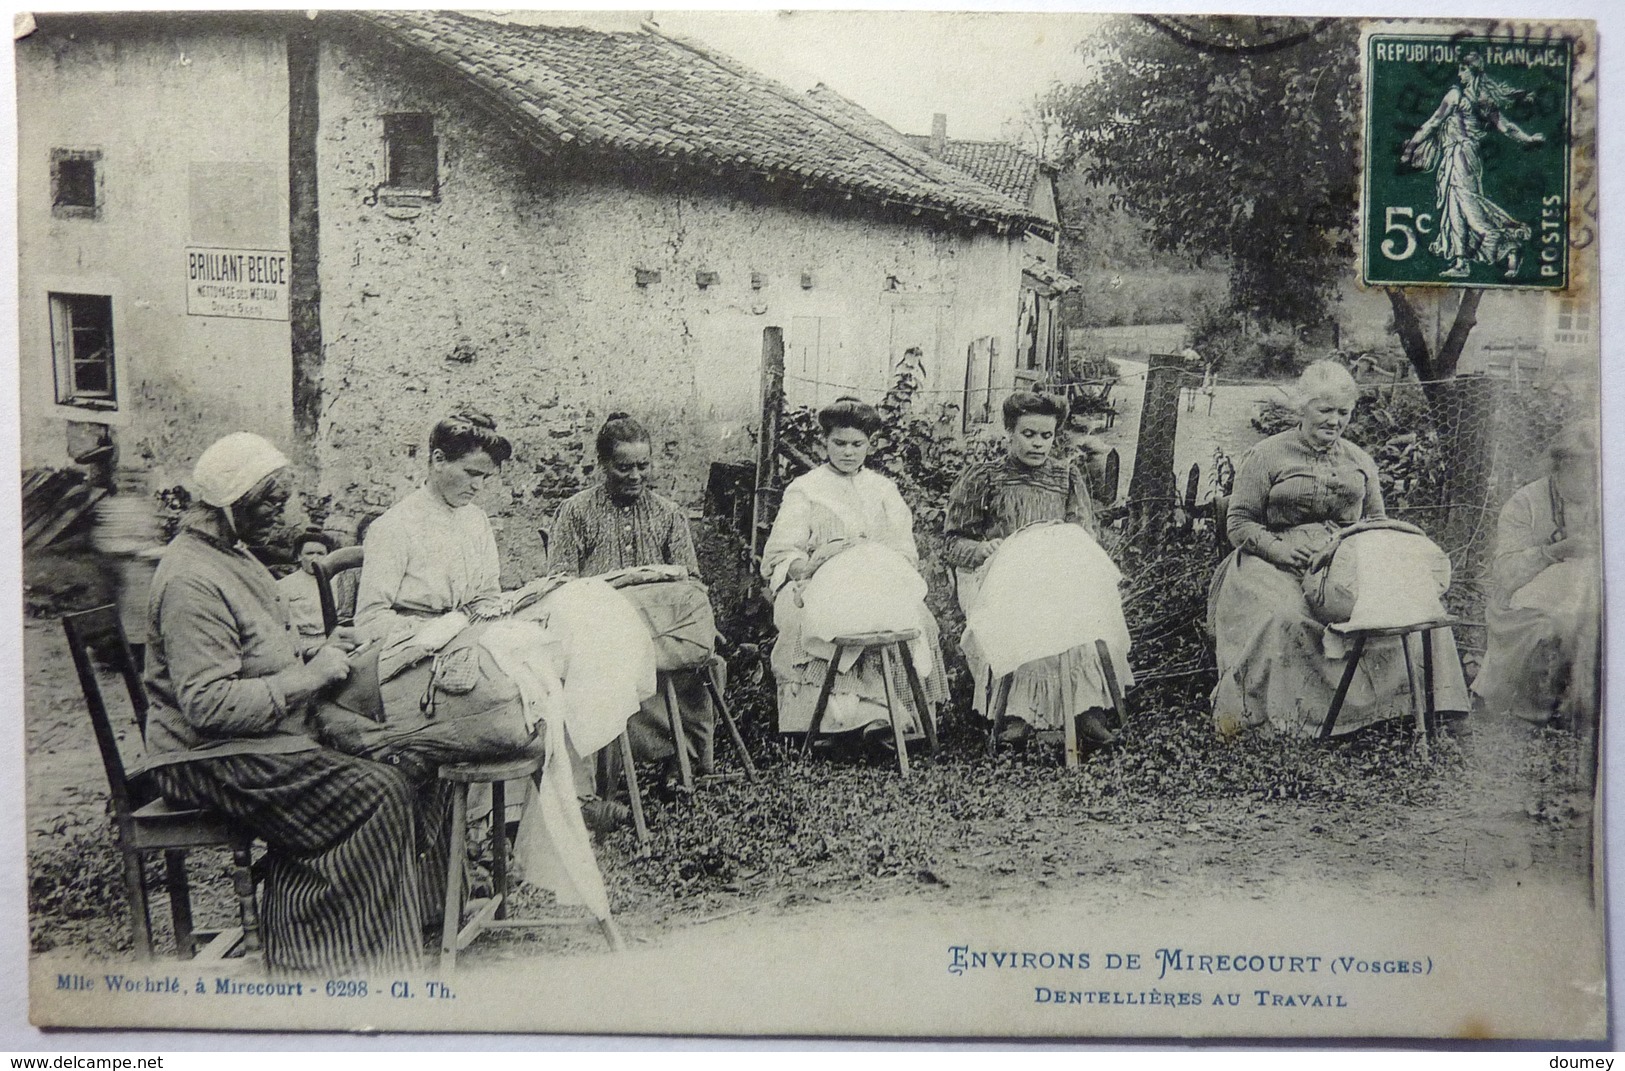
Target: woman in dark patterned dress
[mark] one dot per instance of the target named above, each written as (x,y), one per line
(990,501)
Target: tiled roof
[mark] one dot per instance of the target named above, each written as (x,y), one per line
(1003,166)
(1049,275)
(651,96)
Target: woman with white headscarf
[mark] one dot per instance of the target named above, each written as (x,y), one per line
(227,731)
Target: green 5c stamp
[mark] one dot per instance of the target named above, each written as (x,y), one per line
(1466,161)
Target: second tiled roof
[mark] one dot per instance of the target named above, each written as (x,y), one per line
(648,95)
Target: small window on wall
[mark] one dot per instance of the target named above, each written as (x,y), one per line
(1573,323)
(82,350)
(411,154)
(76,183)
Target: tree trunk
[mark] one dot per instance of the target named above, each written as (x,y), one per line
(1444,365)
(1431,367)
(1409,328)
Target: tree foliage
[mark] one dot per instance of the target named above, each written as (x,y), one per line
(1236,137)
(1246,154)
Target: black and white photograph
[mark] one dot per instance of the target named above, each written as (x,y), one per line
(877,524)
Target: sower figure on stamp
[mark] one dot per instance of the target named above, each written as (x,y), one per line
(227,731)
(1471,226)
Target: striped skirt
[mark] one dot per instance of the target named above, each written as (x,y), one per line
(341,875)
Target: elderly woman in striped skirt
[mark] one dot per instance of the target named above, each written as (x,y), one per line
(227,730)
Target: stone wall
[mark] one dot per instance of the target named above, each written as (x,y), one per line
(192,129)
(518,292)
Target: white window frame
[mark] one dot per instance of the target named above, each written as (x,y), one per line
(65,357)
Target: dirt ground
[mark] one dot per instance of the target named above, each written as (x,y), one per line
(1504,808)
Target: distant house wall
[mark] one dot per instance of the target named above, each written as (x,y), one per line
(1560,331)
(1043,203)
(516,292)
(191,128)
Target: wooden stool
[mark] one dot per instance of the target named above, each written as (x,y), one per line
(490,913)
(891,649)
(708,673)
(1001,701)
(1421,697)
(674,721)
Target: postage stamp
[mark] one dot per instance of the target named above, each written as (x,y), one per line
(1467,161)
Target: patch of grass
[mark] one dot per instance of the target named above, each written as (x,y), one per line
(76,893)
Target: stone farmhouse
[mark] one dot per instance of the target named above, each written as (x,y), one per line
(333,228)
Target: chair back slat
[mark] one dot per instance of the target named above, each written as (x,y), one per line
(100,630)
(326,569)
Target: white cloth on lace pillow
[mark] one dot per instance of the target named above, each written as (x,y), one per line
(1048,588)
(868,588)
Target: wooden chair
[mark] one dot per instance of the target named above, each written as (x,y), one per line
(892,649)
(1001,701)
(327,569)
(1421,691)
(490,913)
(145,821)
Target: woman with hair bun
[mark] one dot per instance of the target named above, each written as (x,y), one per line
(991,501)
(622,524)
(433,551)
(825,511)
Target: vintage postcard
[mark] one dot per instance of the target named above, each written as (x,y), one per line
(882,524)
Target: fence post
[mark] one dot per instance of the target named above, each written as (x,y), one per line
(767,443)
(1152,486)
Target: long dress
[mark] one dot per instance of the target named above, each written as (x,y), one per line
(1273,666)
(1543,616)
(991,501)
(423,559)
(592,535)
(221,734)
(1471,226)
(819,508)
